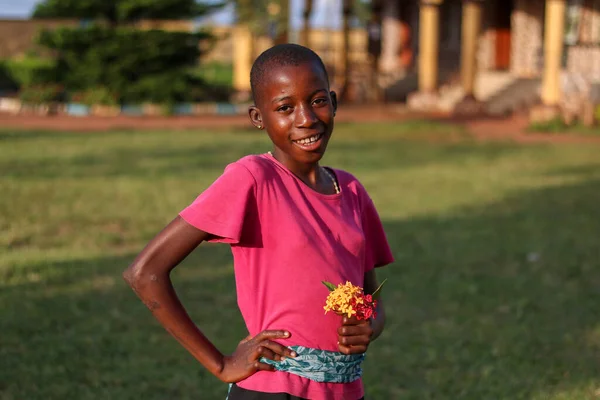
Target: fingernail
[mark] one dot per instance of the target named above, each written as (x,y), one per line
(294,354)
(286,334)
(282,359)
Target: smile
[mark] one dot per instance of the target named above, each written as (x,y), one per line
(309,140)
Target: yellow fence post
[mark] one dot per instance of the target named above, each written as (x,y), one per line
(471,27)
(242,58)
(553,50)
(429,44)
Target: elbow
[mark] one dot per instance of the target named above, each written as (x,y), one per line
(129,275)
(133,275)
(140,274)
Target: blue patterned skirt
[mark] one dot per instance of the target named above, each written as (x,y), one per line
(316,365)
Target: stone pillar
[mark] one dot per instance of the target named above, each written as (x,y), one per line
(390,37)
(471,28)
(527,31)
(429,45)
(242,58)
(553,51)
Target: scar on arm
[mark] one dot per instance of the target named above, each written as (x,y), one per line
(153,305)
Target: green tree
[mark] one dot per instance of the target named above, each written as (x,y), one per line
(123,11)
(112,54)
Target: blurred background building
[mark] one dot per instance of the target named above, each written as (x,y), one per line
(493,56)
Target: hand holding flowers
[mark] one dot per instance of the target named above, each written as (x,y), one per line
(358,309)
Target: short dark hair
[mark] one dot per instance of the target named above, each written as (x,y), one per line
(281,55)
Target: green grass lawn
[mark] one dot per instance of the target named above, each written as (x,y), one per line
(495,293)
(559,127)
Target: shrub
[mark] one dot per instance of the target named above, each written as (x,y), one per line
(41,94)
(7,82)
(31,70)
(99,96)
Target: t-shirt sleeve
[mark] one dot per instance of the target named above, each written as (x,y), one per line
(377,247)
(222,208)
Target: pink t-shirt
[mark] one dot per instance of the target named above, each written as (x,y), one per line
(286,238)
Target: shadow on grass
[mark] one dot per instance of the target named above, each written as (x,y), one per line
(79,332)
(491,302)
(498,302)
(586,171)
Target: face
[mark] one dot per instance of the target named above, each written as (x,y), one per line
(297,109)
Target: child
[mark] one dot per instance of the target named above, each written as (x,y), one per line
(291,224)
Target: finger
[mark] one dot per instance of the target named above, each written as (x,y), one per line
(351,320)
(246,339)
(354,340)
(352,349)
(258,366)
(262,351)
(275,334)
(355,330)
(278,349)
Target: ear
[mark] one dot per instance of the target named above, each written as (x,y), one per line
(334,101)
(255,117)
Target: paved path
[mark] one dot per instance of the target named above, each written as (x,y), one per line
(484,129)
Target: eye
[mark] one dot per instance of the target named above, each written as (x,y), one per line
(284,109)
(320,101)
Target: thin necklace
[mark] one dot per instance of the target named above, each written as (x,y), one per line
(335,184)
(329,175)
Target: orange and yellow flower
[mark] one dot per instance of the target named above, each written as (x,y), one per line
(348,299)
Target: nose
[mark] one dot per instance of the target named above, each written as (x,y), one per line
(305,117)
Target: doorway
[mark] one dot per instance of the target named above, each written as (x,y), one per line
(501,24)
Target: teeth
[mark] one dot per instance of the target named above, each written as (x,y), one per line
(309,140)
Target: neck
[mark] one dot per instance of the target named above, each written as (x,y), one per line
(304,171)
(310,173)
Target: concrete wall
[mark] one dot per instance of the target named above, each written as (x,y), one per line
(17,37)
(328,44)
(583,58)
(527,38)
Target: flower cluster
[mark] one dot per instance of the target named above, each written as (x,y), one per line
(347,299)
(364,306)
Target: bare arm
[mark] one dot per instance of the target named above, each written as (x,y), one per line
(149,277)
